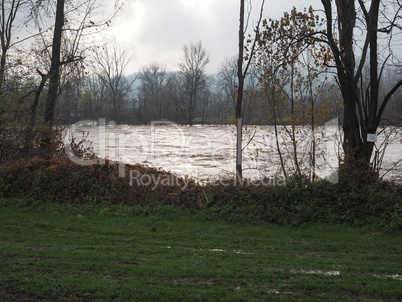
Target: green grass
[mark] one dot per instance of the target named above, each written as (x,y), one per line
(71,252)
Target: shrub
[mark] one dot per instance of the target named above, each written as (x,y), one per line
(374,204)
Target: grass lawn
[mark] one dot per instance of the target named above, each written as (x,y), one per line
(103,252)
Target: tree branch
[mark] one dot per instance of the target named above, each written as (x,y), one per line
(255,40)
(71,60)
(385,101)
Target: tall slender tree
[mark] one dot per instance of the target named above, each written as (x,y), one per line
(242,70)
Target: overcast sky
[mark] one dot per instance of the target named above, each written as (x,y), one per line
(158,29)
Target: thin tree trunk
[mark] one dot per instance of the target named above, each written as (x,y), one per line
(239,123)
(241,75)
(28,134)
(313,147)
(278,147)
(2,69)
(293,133)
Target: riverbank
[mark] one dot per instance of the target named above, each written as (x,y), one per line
(372,204)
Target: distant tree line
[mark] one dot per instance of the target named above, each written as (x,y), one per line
(158,94)
(188,96)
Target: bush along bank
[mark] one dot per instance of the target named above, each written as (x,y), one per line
(374,203)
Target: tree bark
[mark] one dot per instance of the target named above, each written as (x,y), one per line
(371,126)
(241,75)
(54,74)
(361,113)
(240,88)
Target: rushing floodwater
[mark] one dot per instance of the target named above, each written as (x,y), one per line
(207,153)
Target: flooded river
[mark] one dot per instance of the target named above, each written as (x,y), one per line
(207,152)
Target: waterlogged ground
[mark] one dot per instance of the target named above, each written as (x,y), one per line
(105,252)
(207,152)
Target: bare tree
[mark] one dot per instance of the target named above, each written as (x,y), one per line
(219,108)
(227,80)
(175,93)
(7,17)
(195,59)
(362,27)
(110,64)
(11,22)
(242,70)
(153,80)
(62,54)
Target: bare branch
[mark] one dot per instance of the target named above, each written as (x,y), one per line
(257,31)
(386,100)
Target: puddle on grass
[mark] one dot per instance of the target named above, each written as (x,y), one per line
(214,250)
(317,272)
(275,291)
(223,251)
(217,250)
(396,276)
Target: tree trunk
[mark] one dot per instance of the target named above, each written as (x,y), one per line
(190,117)
(361,113)
(54,69)
(2,69)
(278,148)
(28,133)
(191,107)
(347,18)
(371,126)
(239,123)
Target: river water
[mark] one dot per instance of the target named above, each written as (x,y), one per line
(207,152)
